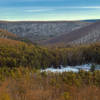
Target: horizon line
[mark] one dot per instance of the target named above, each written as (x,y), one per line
(45,20)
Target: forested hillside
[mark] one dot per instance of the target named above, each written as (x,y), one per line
(15,54)
(29,84)
(6,34)
(38,31)
(21,63)
(84,35)
(54,32)
(49,49)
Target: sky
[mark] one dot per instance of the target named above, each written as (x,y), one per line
(49,10)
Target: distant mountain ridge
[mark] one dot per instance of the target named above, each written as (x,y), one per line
(88,34)
(38,31)
(54,32)
(91,20)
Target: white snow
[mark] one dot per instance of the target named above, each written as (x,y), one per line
(85,67)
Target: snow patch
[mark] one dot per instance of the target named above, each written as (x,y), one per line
(85,67)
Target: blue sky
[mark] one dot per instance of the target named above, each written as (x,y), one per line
(49,10)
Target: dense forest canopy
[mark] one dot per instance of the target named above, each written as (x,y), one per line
(15,54)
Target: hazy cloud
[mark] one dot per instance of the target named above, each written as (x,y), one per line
(38,10)
(45,9)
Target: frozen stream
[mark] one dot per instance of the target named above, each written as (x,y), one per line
(85,67)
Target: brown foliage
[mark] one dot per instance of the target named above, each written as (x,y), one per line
(42,86)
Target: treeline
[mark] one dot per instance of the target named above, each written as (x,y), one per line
(15,54)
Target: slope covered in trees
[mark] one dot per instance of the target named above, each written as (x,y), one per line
(6,34)
(38,31)
(15,54)
(19,62)
(84,35)
(29,84)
